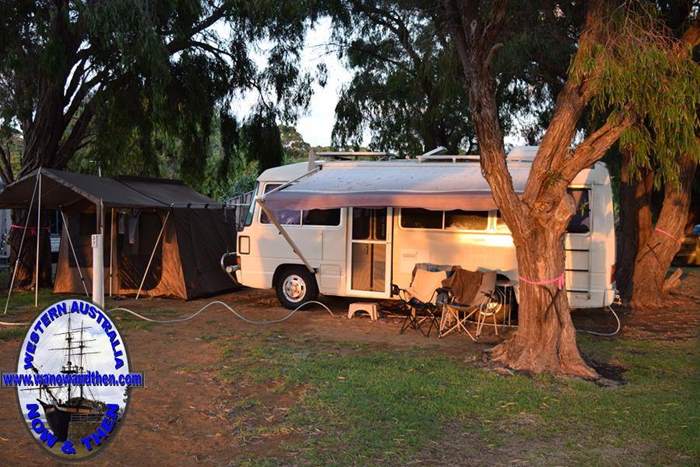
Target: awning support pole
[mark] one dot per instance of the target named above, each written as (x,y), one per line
(75,256)
(270,215)
(38,236)
(21,244)
(285,185)
(153,253)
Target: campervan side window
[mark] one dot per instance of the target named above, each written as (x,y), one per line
(581,220)
(444,220)
(328,217)
(466,220)
(421,219)
(319,217)
(284,216)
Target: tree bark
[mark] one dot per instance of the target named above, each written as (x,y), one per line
(635,221)
(546,338)
(656,254)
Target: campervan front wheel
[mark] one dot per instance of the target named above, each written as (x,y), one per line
(295,286)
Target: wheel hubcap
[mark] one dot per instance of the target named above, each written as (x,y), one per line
(294,288)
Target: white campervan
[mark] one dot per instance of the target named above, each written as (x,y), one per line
(353,228)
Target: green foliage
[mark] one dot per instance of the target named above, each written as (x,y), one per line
(643,71)
(152,80)
(405,89)
(295,148)
(263,139)
(408,84)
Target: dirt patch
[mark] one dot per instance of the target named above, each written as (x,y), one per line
(679,320)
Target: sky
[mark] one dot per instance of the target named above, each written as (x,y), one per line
(316,124)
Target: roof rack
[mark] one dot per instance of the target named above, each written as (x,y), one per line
(450,157)
(351,154)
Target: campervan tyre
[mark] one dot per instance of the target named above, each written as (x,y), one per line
(295,285)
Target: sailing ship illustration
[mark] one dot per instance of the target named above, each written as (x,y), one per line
(71,407)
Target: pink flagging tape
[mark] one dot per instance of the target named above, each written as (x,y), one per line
(559,281)
(663,232)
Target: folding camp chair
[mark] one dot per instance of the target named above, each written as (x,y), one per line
(459,309)
(422,299)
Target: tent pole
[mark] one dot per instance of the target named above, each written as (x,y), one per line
(75,256)
(38,236)
(98,252)
(153,253)
(21,244)
(111,250)
(295,248)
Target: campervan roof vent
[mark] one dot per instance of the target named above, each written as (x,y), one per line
(523,154)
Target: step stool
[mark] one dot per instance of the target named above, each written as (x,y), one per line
(367,307)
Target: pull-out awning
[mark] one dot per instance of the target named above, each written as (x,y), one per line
(406,185)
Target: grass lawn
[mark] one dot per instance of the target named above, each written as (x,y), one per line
(359,404)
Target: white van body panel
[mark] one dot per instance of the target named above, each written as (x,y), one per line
(590,257)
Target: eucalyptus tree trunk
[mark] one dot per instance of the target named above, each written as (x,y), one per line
(546,338)
(649,284)
(635,222)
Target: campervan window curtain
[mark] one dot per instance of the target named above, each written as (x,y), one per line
(428,186)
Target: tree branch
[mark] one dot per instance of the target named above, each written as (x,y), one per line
(473,48)
(6,165)
(182,42)
(593,148)
(571,102)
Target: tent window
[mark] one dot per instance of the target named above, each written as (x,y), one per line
(135,246)
(421,219)
(82,241)
(581,220)
(466,220)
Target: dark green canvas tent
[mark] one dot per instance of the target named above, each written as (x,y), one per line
(160,236)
